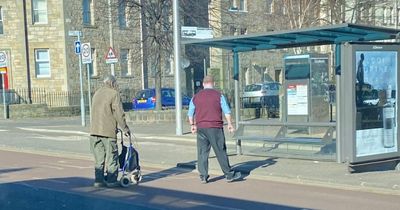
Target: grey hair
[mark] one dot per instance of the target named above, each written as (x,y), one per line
(110,81)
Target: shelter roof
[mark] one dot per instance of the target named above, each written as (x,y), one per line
(324,35)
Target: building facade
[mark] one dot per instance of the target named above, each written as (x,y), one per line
(38,37)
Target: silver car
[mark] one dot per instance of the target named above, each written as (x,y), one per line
(261,95)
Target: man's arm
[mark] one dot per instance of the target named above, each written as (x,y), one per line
(227,112)
(119,114)
(190,114)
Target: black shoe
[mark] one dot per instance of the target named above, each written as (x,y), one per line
(113,184)
(99,184)
(204,180)
(236,176)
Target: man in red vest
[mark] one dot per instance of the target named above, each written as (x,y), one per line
(205,116)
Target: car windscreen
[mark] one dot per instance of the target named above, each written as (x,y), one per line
(252,87)
(273,86)
(144,94)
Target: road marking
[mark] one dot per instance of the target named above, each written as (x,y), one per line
(62,138)
(50,180)
(60,165)
(2,130)
(211,205)
(53,131)
(53,167)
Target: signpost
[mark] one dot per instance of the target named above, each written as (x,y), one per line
(77,44)
(87,59)
(3,71)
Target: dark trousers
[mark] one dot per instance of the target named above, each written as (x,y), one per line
(215,138)
(105,151)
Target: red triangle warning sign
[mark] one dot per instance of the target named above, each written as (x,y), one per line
(111,54)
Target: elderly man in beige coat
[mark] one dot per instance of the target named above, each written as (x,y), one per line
(107,114)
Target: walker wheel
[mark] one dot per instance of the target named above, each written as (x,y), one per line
(125,181)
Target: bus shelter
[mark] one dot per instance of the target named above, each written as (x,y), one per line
(366,86)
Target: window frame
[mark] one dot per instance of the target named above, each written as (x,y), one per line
(38,61)
(1,21)
(87,12)
(122,15)
(37,12)
(93,65)
(125,62)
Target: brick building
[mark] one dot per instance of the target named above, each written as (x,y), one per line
(35,34)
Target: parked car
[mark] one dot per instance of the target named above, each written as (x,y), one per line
(146,99)
(259,95)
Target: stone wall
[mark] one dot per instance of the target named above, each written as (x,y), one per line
(18,111)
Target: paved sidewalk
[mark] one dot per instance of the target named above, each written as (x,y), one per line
(322,173)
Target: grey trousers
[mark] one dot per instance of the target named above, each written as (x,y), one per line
(105,151)
(215,138)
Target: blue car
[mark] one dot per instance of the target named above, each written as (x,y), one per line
(146,99)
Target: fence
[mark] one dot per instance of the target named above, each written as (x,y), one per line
(54,98)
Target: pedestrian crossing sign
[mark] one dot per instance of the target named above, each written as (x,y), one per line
(111,56)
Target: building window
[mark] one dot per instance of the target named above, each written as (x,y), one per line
(93,64)
(243,31)
(122,14)
(1,21)
(42,63)
(39,11)
(269,6)
(238,5)
(125,63)
(87,7)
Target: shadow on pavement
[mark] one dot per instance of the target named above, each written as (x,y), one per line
(77,193)
(178,170)
(10,170)
(246,167)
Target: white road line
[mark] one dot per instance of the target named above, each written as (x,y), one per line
(50,180)
(2,130)
(62,138)
(55,181)
(53,131)
(61,165)
(53,167)
(210,205)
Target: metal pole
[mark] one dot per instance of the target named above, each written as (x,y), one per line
(338,61)
(177,63)
(205,67)
(4,96)
(111,33)
(237,102)
(89,93)
(28,68)
(81,85)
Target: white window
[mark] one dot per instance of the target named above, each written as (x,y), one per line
(42,63)
(87,8)
(269,6)
(39,11)
(238,5)
(125,62)
(1,20)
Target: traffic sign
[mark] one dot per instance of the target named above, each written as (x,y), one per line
(3,59)
(111,56)
(77,45)
(86,53)
(3,70)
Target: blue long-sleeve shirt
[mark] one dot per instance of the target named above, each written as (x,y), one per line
(224,106)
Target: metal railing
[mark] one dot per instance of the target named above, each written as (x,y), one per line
(54,98)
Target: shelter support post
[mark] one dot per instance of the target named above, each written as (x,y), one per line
(237,97)
(338,102)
